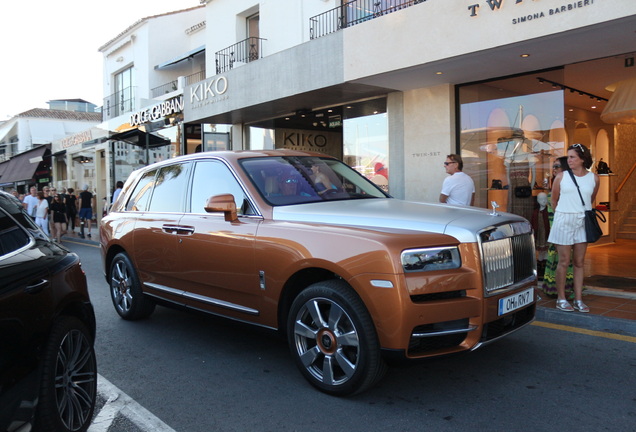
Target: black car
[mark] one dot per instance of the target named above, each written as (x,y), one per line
(48,372)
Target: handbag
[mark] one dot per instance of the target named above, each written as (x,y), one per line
(593,230)
(523,191)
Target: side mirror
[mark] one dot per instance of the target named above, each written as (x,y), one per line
(222,203)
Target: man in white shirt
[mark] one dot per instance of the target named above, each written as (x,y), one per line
(458,188)
(30,202)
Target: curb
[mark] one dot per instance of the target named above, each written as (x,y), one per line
(587,321)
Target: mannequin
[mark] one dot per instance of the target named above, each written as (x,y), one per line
(520,163)
(541,227)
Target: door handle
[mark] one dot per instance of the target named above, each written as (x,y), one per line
(178,229)
(36,287)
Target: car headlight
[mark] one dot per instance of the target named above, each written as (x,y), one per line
(431,259)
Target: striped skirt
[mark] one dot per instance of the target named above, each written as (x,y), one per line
(568,228)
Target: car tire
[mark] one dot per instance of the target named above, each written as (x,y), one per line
(125,290)
(333,340)
(69,379)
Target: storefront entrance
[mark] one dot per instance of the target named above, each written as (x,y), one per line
(511,131)
(356,133)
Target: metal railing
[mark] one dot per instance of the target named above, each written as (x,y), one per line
(119,103)
(164,88)
(174,85)
(352,13)
(245,51)
(195,77)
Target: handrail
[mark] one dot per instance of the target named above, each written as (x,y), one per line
(245,51)
(354,12)
(618,189)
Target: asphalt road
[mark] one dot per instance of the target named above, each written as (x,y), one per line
(201,373)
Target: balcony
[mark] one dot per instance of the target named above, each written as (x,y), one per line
(119,103)
(174,85)
(241,52)
(164,88)
(354,12)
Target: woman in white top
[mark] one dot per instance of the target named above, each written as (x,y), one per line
(568,228)
(42,213)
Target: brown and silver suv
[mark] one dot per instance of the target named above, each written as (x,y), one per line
(302,243)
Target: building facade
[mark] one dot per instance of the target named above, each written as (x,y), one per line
(397,85)
(26,154)
(146,68)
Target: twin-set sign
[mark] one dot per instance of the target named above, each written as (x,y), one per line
(157,112)
(565,6)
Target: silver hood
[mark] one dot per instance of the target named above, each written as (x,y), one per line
(463,223)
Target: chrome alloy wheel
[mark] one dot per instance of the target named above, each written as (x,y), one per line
(75,380)
(326,341)
(120,285)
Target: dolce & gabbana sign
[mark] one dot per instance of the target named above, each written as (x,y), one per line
(156,112)
(559,8)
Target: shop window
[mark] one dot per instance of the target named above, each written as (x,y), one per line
(509,140)
(366,140)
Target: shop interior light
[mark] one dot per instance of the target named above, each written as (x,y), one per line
(571,89)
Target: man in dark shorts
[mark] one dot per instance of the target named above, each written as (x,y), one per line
(85,210)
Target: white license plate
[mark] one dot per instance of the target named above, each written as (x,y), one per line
(516,301)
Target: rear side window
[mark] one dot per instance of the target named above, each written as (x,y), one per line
(171,185)
(214,178)
(12,236)
(140,196)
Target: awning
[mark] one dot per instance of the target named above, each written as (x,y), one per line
(138,137)
(182,57)
(23,166)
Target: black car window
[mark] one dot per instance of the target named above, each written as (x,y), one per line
(170,189)
(12,237)
(214,178)
(141,194)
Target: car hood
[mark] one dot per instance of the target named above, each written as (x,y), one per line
(463,223)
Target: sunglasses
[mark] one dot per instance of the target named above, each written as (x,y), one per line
(291,181)
(580,146)
(556,166)
(448,163)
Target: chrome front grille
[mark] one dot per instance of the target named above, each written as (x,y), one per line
(498,264)
(508,256)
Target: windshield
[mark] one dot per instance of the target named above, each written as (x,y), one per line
(285,180)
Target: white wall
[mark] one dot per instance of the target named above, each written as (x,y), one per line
(149,43)
(429,118)
(283,23)
(437,30)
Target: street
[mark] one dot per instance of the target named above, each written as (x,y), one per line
(202,373)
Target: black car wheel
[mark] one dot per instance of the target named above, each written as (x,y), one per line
(125,290)
(69,379)
(333,340)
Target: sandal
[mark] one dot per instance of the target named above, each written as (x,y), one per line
(580,306)
(564,305)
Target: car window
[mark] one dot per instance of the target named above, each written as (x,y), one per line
(140,196)
(170,189)
(301,179)
(12,237)
(214,178)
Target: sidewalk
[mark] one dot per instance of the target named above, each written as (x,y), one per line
(610,311)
